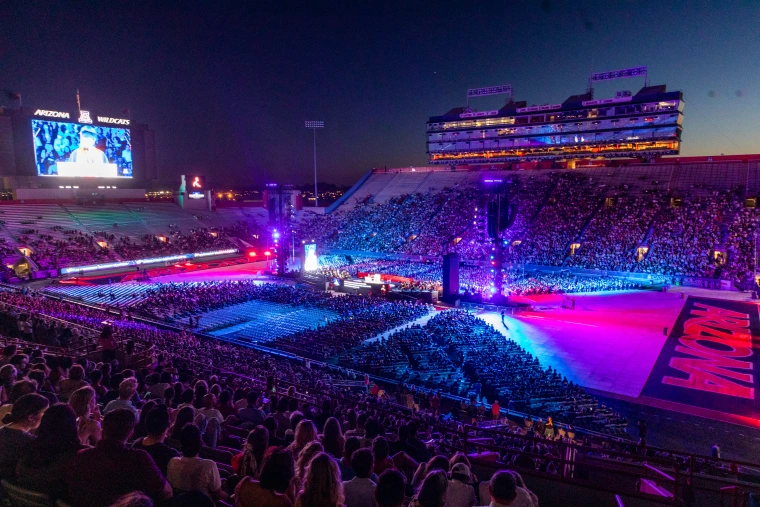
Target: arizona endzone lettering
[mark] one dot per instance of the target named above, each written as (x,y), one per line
(710,369)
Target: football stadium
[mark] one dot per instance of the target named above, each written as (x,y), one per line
(558,307)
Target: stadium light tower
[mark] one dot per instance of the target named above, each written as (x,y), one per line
(314,125)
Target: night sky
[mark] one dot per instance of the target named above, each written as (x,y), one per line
(227,86)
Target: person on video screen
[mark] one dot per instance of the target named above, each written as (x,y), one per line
(88,153)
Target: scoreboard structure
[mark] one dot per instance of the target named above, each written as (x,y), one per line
(646,124)
(42,149)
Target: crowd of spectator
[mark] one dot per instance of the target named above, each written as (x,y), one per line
(415,348)
(175,242)
(740,246)
(8,253)
(463,355)
(73,248)
(541,282)
(201,420)
(685,236)
(7,250)
(474,280)
(74,427)
(60,247)
(615,231)
(708,236)
(558,223)
(37,327)
(359,317)
(420,224)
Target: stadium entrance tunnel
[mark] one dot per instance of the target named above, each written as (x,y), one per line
(21,268)
(719,257)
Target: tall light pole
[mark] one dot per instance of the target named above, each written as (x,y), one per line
(314,125)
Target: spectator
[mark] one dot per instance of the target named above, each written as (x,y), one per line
(270,423)
(71,384)
(157,427)
(307,454)
(127,390)
(98,476)
(15,436)
(108,344)
(383,461)
(521,484)
(321,486)
(460,493)
(82,401)
(39,377)
(209,410)
(353,444)
(192,473)
(390,489)
(549,428)
(162,382)
(432,491)
(323,415)
(306,433)
(282,418)
(274,487)
(435,463)
(504,491)
(253,454)
(495,410)
(185,416)
(19,389)
(141,428)
(360,491)
(134,499)
(380,452)
(332,438)
(96,382)
(422,453)
(251,414)
(225,406)
(187,399)
(44,463)
(8,376)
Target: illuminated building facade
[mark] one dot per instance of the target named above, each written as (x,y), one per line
(645,125)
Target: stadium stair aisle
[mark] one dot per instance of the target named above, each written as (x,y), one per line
(420,322)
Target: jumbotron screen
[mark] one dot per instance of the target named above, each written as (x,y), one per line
(311,261)
(73,149)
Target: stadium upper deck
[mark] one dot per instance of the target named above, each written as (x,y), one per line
(682,176)
(647,124)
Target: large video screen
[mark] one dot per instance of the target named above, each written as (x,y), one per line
(72,149)
(311,261)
